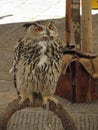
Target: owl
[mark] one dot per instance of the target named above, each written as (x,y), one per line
(37,62)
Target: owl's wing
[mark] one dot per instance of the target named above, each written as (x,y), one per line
(17,50)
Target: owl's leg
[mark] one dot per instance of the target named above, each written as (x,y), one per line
(46,100)
(26,94)
(24,98)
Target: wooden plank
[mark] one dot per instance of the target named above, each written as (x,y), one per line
(68,21)
(76,22)
(86,26)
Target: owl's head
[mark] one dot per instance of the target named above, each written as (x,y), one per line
(36,31)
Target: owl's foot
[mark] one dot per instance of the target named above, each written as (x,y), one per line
(23,99)
(46,100)
(25,94)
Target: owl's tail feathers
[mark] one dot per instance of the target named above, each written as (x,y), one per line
(18,93)
(15,85)
(11,70)
(13,67)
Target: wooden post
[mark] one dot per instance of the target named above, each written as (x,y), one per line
(68,22)
(76,22)
(86,26)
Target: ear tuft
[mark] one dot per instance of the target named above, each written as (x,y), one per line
(51,23)
(27,25)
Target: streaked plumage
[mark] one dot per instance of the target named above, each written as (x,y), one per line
(37,61)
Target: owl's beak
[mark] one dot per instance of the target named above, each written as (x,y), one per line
(48,33)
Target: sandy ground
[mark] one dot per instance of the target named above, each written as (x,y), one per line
(9,34)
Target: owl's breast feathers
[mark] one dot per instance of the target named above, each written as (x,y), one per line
(38,65)
(41,51)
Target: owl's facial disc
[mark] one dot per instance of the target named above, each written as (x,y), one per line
(41,32)
(46,32)
(37,32)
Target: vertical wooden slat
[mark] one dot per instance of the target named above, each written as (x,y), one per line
(68,22)
(86,26)
(76,22)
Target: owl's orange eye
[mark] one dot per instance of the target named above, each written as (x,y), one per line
(51,27)
(38,29)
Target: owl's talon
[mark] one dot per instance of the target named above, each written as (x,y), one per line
(44,106)
(21,102)
(46,101)
(31,100)
(54,100)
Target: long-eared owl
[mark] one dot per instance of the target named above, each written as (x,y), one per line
(37,61)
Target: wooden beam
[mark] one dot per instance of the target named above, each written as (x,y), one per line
(68,21)
(86,26)
(76,23)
